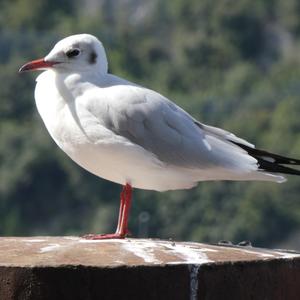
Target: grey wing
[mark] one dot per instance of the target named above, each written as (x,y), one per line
(160,127)
(153,122)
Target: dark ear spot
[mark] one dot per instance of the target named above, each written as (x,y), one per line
(93,58)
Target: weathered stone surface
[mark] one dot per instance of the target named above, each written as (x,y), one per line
(44,268)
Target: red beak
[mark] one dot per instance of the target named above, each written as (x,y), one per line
(37,64)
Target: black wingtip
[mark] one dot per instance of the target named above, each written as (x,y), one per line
(276,168)
(271,162)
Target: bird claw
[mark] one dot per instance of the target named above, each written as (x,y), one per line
(104,236)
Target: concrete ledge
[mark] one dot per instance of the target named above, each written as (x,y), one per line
(62,268)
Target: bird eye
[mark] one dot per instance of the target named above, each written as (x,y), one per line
(73,53)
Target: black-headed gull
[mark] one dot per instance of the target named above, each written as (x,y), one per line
(132,135)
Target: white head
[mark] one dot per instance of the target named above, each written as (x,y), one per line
(76,53)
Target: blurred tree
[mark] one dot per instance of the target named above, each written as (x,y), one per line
(232,64)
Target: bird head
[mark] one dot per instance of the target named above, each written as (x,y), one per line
(76,53)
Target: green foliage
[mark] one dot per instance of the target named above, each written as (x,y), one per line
(230,63)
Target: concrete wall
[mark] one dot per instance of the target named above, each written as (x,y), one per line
(43,268)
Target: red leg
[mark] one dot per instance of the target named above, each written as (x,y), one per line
(122,228)
(121,209)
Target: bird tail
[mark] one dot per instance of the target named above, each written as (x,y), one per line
(271,162)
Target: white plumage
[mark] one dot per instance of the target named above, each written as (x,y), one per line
(126,133)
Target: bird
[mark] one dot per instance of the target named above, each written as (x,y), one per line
(131,135)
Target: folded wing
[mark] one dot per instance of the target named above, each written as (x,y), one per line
(153,122)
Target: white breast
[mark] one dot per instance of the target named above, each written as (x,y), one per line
(111,157)
(57,113)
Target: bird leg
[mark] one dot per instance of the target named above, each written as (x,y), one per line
(122,228)
(121,208)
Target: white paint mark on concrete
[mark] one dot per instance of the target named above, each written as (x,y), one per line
(143,250)
(86,241)
(33,240)
(258,253)
(207,250)
(50,247)
(183,253)
(269,253)
(120,262)
(288,255)
(72,238)
(187,254)
(194,270)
